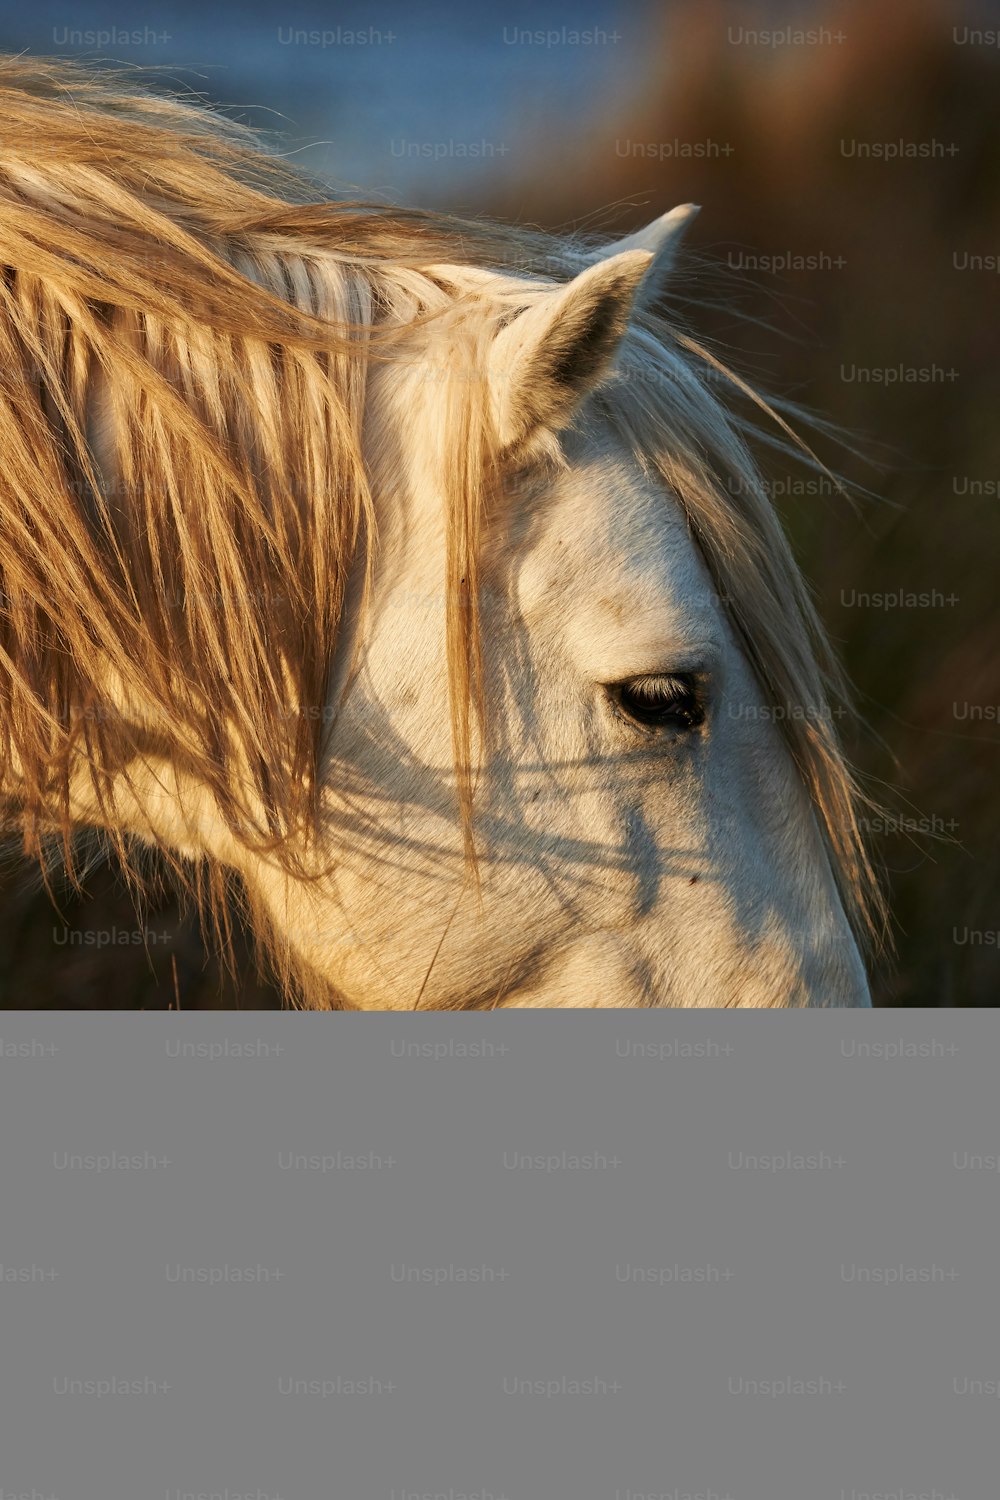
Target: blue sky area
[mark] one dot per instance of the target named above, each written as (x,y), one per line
(440,103)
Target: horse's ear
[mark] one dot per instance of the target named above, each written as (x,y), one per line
(544,362)
(662,238)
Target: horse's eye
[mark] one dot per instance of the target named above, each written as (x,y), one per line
(661,702)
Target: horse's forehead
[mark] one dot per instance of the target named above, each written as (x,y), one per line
(614,544)
(608,509)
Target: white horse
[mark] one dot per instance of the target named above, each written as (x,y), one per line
(419,574)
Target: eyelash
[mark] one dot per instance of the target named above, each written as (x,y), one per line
(667,701)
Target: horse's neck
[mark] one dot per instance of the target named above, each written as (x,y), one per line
(153,800)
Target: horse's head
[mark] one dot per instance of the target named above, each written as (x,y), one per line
(655,792)
(419,572)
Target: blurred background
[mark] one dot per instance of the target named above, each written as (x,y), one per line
(847,157)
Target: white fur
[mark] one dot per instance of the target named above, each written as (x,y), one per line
(616,867)
(589,835)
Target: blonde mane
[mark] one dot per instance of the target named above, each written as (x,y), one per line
(185,335)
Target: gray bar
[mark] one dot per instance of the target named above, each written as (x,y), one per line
(334,1257)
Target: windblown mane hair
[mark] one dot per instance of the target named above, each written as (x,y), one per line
(186,326)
